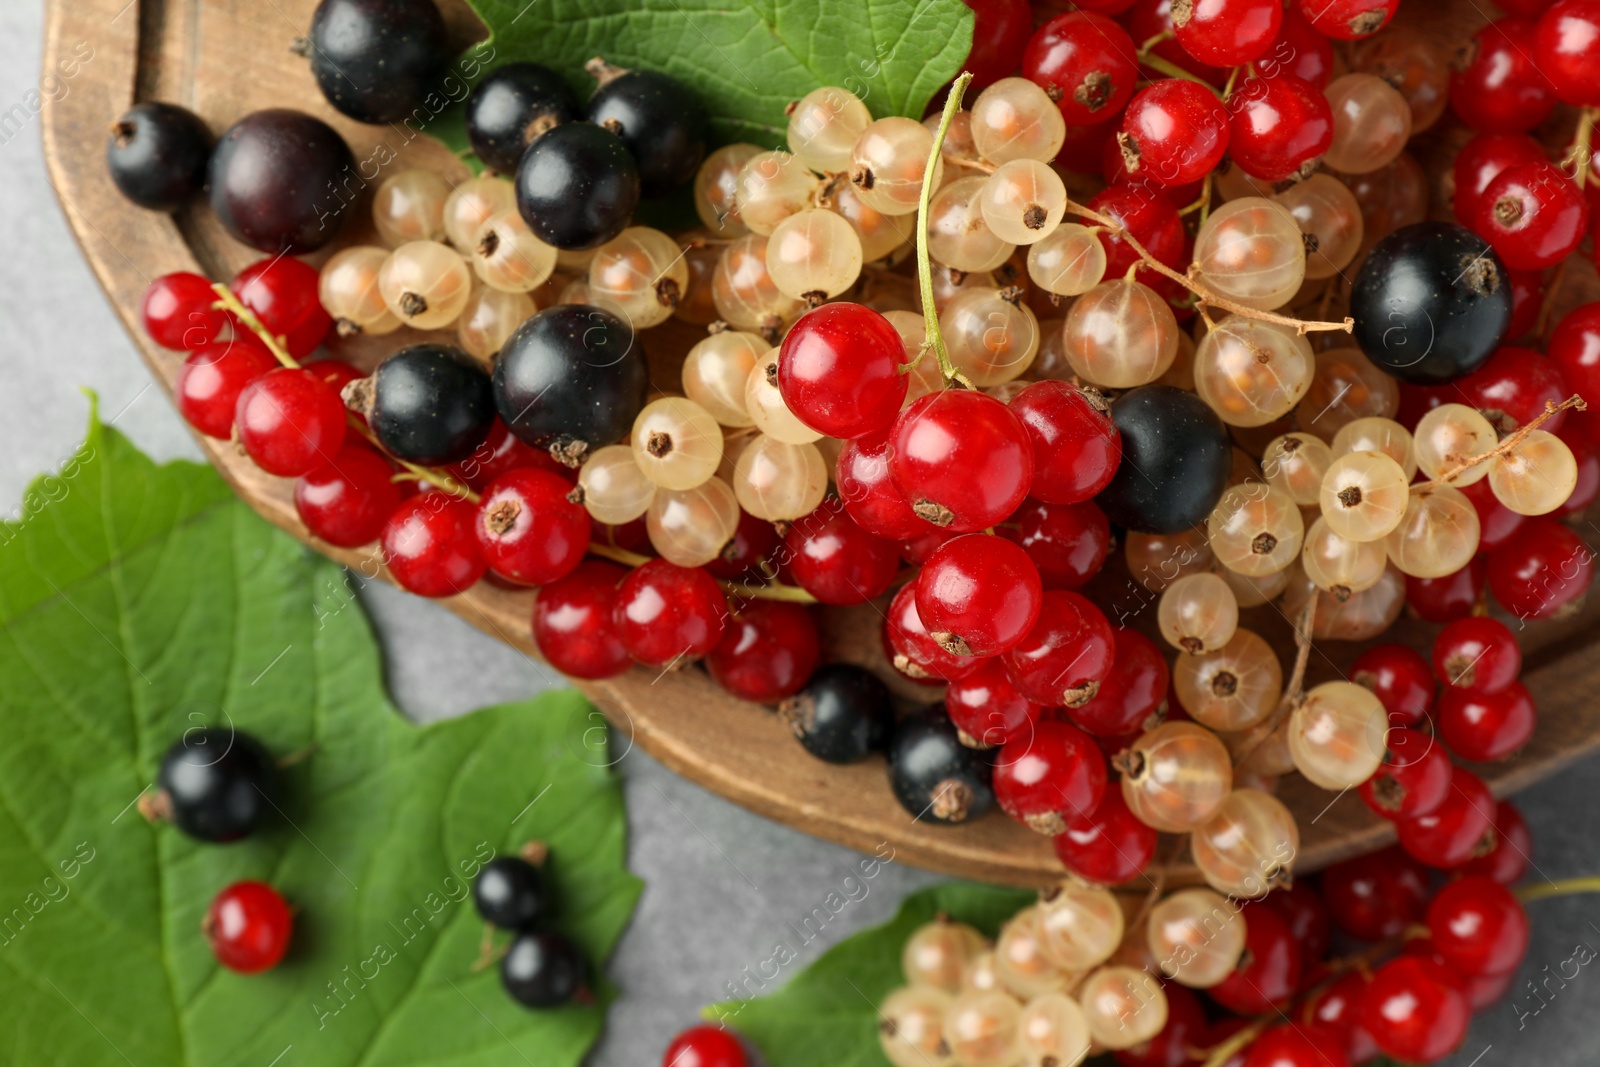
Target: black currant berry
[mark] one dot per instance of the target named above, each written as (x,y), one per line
(1431,303)
(934,776)
(1175,460)
(157,155)
(217,784)
(511,893)
(512,106)
(543,970)
(657,117)
(376,60)
(577,187)
(571,379)
(430,404)
(278,181)
(842,715)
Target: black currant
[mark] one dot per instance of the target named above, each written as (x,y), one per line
(571,379)
(511,893)
(280,181)
(543,970)
(658,118)
(217,784)
(842,715)
(430,404)
(1431,302)
(577,187)
(1175,460)
(934,776)
(512,106)
(157,154)
(376,60)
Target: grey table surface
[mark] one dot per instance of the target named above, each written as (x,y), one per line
(721,884)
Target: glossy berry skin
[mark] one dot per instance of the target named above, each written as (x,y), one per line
(347,501)
(1484,727)
(511,893)
(1502,88)
(1478,926)
(572,377)
(1068,543)
(842,715)
(1348,20)
(1414,1010)
(1153,221)
(1302,908)
(1512,389)
(1173,132)
(1175,460)
(177,314)
(1085,62)
(543,970)
(1051,779)
(917,550)
(1076,446)
(157,155)
(500,452)
(1067,654)
(210,381)
(573,622)
(1000,30)
(1300,50)
(1566,46)
(1400,678)
(1478,653)
(1112,847)
(1152,18)
(1431,303)
(1226,33)
(1268,973)
(249,926)
(961,458)
(659,121)
(271,178)
(704,1046)
(1297,1045)
(1457,830)
(430,546)
(1483,159)
(512,106)
(979,594)
(1184,1030)
(932,774)
(1509,859)
(1497,524)
(767,652)
(839,370)
(430,404)
(1534,215)
(1341,1005)
(987,708)
(837,561)
(1131,693)
(748,554)
(1278,127)
(914,653)
(1414,778)
(1376,896)
(665,613)
(221,785)
(282,291)
(869,493)
(577,186)
(289,421)
(1540,569)
(338,374)
(1575,348)
(528,528)
(375,60)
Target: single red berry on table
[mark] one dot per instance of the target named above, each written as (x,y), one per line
(747,555)
(1268,973)
(1376,896)
(1540,569)
(1131,693)
(574,625)
(1302,908)
(1451,597)
(987,708)
(1502,89)
(1051,779)
(999,32)
(1414,1011)
(1076,446)
(348,501)
(249,926)
(839,370)
(1068,543)
(1533,215)
(1173,132)
(177,313)
(1512,388)
(1296,1045)
(835,560)
(528,529)
(962,459)
(704,1046)
(1342,1006)
(1510,856)
(1566,47)
(1457,830)
(1185,1026)
(211,379)
(430,545)
(767,652)
(1399,677)
(1413,779)
(289,421)
(1111,847)
(282,291)
(1226,33)
(913,651)
(1086,63)
(1299,49)
(869,493)
(1278,127)
(1067,655)
(1477,653)
(1478,926)
(1497,523)
(667,614)
(1484,727)
(1348,20)
(979,594)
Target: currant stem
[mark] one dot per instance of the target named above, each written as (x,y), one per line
(1567,887)
(1217,1055)
(930,315)
(1580,148)
(227,300)
(1172,70)
(1291,690)
(1511,441)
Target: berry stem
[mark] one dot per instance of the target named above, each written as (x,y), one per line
(227,300)
(1510,442)
(1172,70)
(1580,156)
(767,591)
(930,315)
(1292,690)
(1217,1055)
(1567,887)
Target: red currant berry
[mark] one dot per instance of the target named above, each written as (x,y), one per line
(1226,33)
(666,614)
(282,291)
(1131,693)
(1151,220)
(1067,655)
(1508,860)
(211,379)
(1587,488)
(1152,20)
(502,451)
(835,560)
(528,529)
(1341,1007)
(1566,47)
(917,550)
(962,458)
(1173,132)
(767,652)
(1458,830)
(1076,446)
(979,594)
(1482,160)
(1575,348)
(574,625)
(1278,127)
(177,313)
(1533,215)
(1086,63)
(1182,1034)
(839,370)
(1051,779)
(1399,676)
(1297,1045)
(1349,20)
(704,1046)
(1414,1011)
(913,651)
(1111,847)
(1502,89)
(1268,973)
(347,502)
(1497,523)
(1302,908)
(1068,543)
(1414,778)
(430,546)
(1115,171)
(1485,990)
(747,555)
(1451,597)
(1527,298)
(1512,388)
(249,926)
(999,32)
(1376,896)
(289,421)
(987,709)
(869,493)
(1478,926)
(1540,569)
(1299,50)
(1484,727)
(1477,653)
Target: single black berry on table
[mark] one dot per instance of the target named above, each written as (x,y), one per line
(157,154)
(514,105)
(934,776)
(277,181)
(217,784)
(571,379)
(511,893)
(430,404)
(1431,303)
(543,970)
(577,186)
(376,60)
(842,715)
(1175,460)
(657,117)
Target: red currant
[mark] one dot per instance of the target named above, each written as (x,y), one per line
(1587,488)
(1414,1010)
(704,1046)
(1575,348)
(1477,653)
(1527,298)
(502,451)
(347,502)
(1151,220)
(1533,215)
(962,458)
(1502,89)
(916,550)
(666,614)
(1414,778)
(1478,926)
(1451,597)
(1349,20)
(1512,388)
(835,560)
(430,546)
(211,379)
(1302,908)
(1086,63)
(1486,989)
(1068,543)
(1067,655)
(1152,20)
(869,493)
(1299,50)
(1296,1045)
(979,594)
(1226,33)
(1457,830)
(1399,676)
(282,291)
(1509,858)
(913,651)
(177,313)
(747,555)
(1131,693)
(290,421)
(1278,127)
(839,370)
(1376,896)
(249,926)
(1111,847)
(1173,132)
(1497,523)
(1268,974)
(528,529)
(999,33)
(1051,779)
(1540,569)
(1341,1006)
(1566,47)
(767,652)
(1114,168)
(1076,446)
(574,625)
(1482,160)
(1484,727)
(1186,1023)
(987,709)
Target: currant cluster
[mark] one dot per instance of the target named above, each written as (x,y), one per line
(541,968)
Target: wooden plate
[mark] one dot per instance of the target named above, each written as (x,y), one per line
(224,59)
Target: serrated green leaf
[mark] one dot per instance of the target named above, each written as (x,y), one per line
(139,600)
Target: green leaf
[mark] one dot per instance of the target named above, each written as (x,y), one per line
(137,601)
(828,1013)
